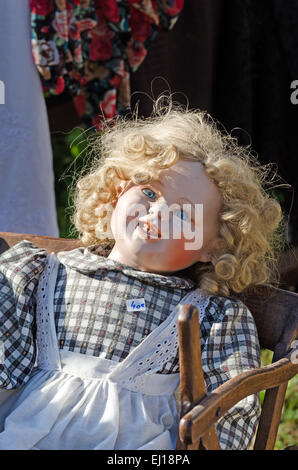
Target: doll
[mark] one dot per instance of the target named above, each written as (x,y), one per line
(89,337)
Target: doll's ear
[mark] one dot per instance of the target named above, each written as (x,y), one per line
(207,254)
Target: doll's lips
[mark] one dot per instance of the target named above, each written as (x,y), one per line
(148,230)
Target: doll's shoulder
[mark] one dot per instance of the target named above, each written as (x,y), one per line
(83,259)
(226,320)
(228,307)
(22,262)
(223,309)
(20,269)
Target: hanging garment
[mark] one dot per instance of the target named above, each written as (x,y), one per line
(90,48)
(27,198)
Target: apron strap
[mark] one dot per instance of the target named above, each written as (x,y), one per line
(48,356)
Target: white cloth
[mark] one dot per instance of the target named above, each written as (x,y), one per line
(77,401)
(27,198)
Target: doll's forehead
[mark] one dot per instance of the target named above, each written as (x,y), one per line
(182,170)
(189,179)
(184,179)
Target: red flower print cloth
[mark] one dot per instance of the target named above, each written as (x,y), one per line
(90,48)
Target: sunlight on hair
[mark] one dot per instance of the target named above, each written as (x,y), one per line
(137,149)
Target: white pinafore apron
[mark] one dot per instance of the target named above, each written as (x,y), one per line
(77,401)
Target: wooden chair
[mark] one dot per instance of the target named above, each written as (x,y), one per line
(275,312)
(276,316)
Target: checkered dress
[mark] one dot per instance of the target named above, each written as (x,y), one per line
(91,317)
(91,305)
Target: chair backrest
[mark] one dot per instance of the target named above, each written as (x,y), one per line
(51,244)
(200,412)
(275,312)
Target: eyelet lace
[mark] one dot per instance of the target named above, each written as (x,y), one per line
(44,334)
(164,350)
(159,350)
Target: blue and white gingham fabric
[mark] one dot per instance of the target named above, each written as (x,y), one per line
(91,318)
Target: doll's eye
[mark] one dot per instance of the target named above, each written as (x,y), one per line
(182,215)
(149,193)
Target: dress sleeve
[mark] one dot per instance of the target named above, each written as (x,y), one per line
(230,348)
(20,269)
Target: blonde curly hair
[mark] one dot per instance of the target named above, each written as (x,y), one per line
(251,225)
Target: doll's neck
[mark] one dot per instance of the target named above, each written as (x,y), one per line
(116,255)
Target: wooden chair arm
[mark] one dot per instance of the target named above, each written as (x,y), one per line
(195,423)
(8,239)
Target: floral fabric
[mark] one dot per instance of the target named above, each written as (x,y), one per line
(90,47)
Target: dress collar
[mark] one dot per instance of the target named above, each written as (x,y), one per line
(86,260)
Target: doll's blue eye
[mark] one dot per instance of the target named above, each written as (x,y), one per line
(182,215)
(149,193)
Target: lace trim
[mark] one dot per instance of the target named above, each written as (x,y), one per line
(46,343)
(165,349)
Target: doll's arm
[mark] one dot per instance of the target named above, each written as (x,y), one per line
(20,269)
(232,347)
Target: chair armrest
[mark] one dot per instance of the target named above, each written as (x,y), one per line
(8,239)
(195,423)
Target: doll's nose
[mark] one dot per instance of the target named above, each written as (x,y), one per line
(156,217)
(158,210)
(155,214)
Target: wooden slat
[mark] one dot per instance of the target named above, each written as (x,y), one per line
(207,412)
(192,383)
(51,244)
(270,418)
(274,397)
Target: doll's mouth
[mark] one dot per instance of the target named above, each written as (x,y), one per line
(148,230)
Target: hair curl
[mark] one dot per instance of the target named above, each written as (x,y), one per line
(251,225)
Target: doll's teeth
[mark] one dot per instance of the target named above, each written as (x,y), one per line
(145,227)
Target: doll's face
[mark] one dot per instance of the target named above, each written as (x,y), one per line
(167,225)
